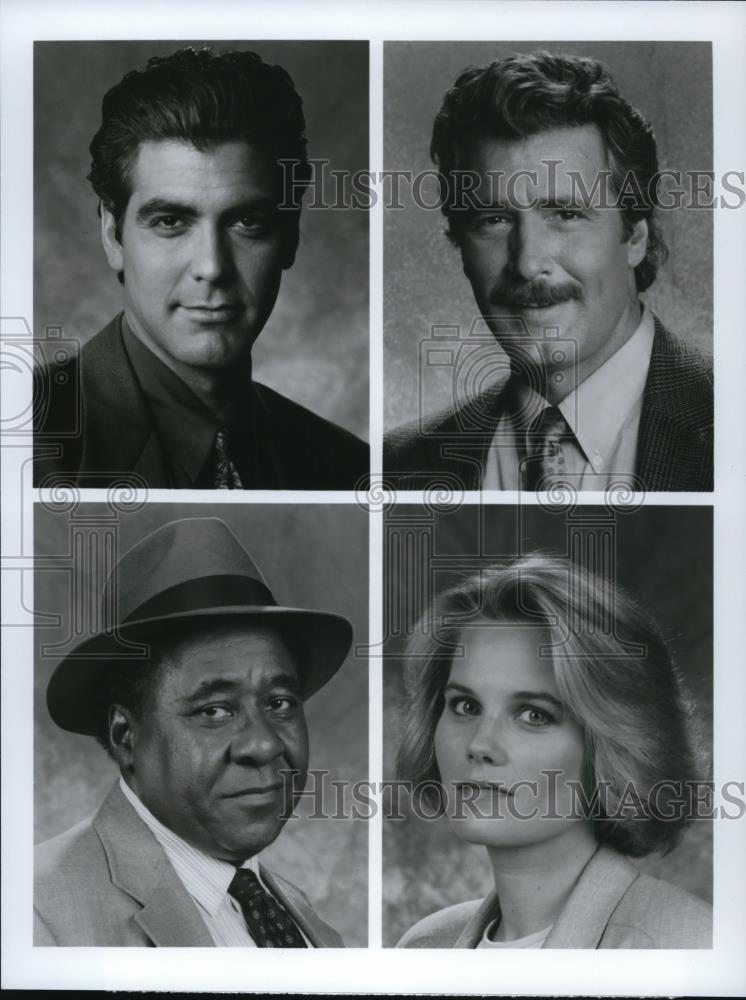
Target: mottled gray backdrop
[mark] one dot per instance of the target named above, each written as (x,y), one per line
(664,558)
(313,556)
(669,82)
(314,348)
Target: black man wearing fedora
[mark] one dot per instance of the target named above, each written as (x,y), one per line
(197,693)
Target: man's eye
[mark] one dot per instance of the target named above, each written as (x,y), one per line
(490,223)
(569,214)
(215,713)
(254,225)
(283,703)
(464,706)
(167,223)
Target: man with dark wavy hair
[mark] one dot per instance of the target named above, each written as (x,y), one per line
(547,183)
(197,165)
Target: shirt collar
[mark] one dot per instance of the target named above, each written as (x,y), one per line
(185,426)
(206,879)
(599,408)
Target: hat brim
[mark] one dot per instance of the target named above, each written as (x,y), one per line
(321,641)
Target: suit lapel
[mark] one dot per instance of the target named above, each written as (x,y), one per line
(118,429)
(597,893)
(320,935)
(475,927)
(139,867)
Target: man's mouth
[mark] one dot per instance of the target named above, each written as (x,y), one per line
(212,313)
(257,792)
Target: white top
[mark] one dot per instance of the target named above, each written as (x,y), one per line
(206,880)
(535,940)
(603,413)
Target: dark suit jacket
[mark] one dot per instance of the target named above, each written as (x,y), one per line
(674,447)
(611,906)
(108,883)
(93,428)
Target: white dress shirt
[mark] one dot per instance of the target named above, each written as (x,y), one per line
(603,413)
(206,880)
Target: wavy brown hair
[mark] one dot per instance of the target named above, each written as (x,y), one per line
(525,94)
(615,676)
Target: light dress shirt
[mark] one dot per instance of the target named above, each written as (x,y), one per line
(206,880)
(535,940)
(603,414)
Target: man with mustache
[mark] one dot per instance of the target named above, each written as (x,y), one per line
(199,166)
(196,691)
(546,177)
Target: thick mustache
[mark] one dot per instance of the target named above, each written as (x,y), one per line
(534,293)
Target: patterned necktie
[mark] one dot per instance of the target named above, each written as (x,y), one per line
(269,923)
(545,464)
(226,475)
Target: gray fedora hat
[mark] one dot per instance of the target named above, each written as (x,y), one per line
(188,569)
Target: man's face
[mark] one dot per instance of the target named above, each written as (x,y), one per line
(541,252)
(201,250)
(223,721)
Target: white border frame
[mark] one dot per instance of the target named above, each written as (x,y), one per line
(721,972)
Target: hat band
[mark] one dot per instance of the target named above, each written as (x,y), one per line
(203,594)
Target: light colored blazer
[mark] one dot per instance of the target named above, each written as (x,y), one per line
(107,882)
(612,906)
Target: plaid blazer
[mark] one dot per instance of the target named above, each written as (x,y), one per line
(674,446)
(611,905)
(108,883)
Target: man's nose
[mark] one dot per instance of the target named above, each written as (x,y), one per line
(529,247)
(211,257)
(257,741)
(487,743)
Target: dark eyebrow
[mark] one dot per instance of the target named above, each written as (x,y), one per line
(226,685)
(165,206)
(517,695)
(538,696)
(171,206)
(205,689)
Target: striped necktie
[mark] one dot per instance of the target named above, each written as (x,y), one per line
(269,923)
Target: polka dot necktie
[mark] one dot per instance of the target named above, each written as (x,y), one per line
(226,475)
(545,464)
(269,923)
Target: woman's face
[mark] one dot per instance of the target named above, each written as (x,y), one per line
(505,746)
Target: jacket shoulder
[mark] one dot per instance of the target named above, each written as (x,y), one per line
(415,450)
(64,387)
(655,914)
(442,928)
(681,379)
(75,901)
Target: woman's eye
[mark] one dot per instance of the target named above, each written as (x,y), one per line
(464,706)
(535,716)
(569,214)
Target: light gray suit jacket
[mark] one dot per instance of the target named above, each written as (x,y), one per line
(107,882)
(612,906)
